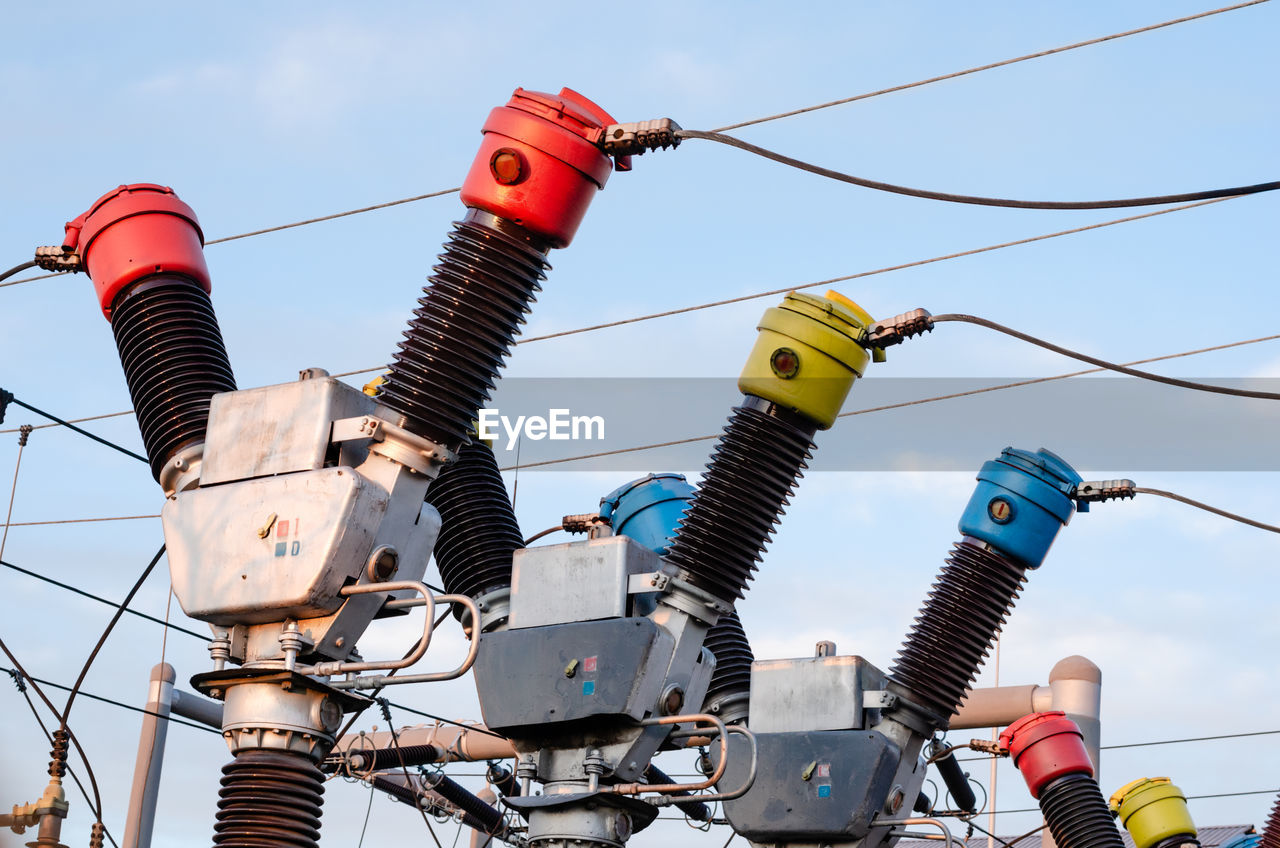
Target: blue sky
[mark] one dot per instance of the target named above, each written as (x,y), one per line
(260,115)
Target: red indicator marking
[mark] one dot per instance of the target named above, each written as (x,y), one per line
(282,529)
(824,769)
(589,664)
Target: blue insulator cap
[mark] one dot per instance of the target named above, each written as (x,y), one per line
(648,510)
(1244,840)
(1022,500)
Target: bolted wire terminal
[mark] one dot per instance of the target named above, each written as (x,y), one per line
(1097,491)
(61,257)
(899,328)
(638,137)
(24,433)
(988,746)
(583,522)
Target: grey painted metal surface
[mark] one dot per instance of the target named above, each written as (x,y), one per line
(141,816)
(814,693)
(579,581)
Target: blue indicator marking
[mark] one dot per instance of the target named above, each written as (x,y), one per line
(281,548)
(824,790)
(588,687)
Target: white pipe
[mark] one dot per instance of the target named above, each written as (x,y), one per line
(146,770)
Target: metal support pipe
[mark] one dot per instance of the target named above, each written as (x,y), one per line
(197,708)
(146,770)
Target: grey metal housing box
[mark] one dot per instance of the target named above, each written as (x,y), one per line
(826,786)
(814,693)
(544,677)
(578,581)
(275,429)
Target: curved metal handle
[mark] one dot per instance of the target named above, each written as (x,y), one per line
(428,628)
(664,788)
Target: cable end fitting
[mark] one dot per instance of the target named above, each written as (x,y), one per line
(1097,491)
(583,522)
(60,257)
(988,746)
(639,137)
(899,328)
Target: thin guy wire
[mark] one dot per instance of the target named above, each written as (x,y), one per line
(754,121)
(395,739)
(13,491)
(122,705)
(74,521)
(988,67)
(870,273)
(26,696)
(75,421)
(1222,512)
(1157,742)
(916,402)
(797,287)
(973,200)
(1189,798)
(278,228)
(82,432)
(101,600)
(1102,363)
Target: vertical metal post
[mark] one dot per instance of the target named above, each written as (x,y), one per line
(146,770)
(1076,684)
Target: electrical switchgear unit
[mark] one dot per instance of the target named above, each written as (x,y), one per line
(295,513)
(838,740)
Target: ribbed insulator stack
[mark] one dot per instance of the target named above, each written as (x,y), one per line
(1077,814)
(143,249)
(174,361)
(1021,502)
(730,691)
(478,529)
(463,327)
(752,473)
(269,798)
(966,607)
(1271,832)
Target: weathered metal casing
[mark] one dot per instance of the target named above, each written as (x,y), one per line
(578,581)
(812,694)
(1021,502)
(819,786)
(808,354)
(289,512)
(535,681)
(1152,809)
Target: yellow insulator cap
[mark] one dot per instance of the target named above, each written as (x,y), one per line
(1152,809)
(808,354)
(371,388)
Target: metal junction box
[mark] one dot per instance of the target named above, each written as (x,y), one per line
(815,693)
(272,547)
(820,787)
(548,676)
(276,429)
(578,581)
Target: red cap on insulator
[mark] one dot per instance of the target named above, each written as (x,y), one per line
(135,231)
(1046,746)
(538,164)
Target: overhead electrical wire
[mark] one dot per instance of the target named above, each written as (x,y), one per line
(752,122)
(17,269)
(988,67)
(770,293)
(81,431)
(903,404)
(1102,363)
(974,200)
(1142,490)
(1188,797)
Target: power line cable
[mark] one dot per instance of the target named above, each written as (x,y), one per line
(1222,512)
(1156,742)
(902,404)
(978,68)
(79,430)
(76,521)
(20,683)
(1188,797)
(948,197)
(102,640)
(1102,363)
(123,705)
(75,421)
(102,600)
(16,269)
(804,110)
(771,292)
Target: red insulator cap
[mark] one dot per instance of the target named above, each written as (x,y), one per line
(135,231)
(1046,746)
(538,164)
